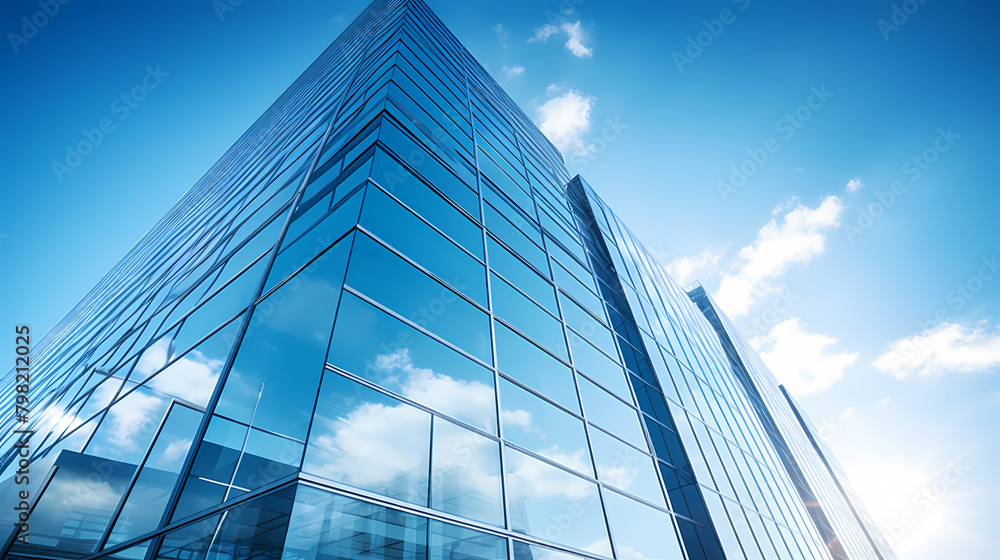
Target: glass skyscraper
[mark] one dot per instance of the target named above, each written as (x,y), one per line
(389,324)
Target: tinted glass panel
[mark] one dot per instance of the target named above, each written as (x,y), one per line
(611,414)
(511,306)
(378,273)
(541,427)
(405,232)
(653,537)
(535,368)
(148,497)
(465,474)
(372,344)
(522,276)
(540,498)
(369,440)
(626,468)
(327,526)
(278,365)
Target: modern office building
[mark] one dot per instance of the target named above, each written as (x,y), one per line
(388,324)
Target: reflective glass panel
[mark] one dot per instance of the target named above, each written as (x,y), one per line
(465,474)
(379,273)
(626,468)
(372,344)
(541,427)
(550,503)
(641,531)
(148,497)
(327,526)
(535,368)
(527,317)
(364,438)
(278,365)
(611,414)
(405,232)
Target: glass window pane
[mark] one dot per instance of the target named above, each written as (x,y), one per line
(60,520)
(327,526)
(535,368)
(599,367)
(450,542)
(525,551)
(369,440)
(193,376)
(255,529)
(611,414)
(511,306)
(552,504)
(129,426)
(428,203)
(144,506)
(522,276)
(541,427)
(626,468)
(380,348)
(378,273)
(267,458)
(277,369)
(641,531)
(465,474)
(314,242)
(405,232)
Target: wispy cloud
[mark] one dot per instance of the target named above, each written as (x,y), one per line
(946,348)
(854,184)
(575,37)
(684,270)
(565,119)
(793,238)
(502,34)
(513,72)
(802,360)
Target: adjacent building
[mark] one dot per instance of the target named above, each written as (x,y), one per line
(389,324)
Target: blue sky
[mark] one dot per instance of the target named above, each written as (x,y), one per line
(753,147)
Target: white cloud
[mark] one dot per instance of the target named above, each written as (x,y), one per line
(565,119)
(471,401)
(947,348)
(800,359)
(683,270)
(794,238)
(552,89)
(543,33)
(784,206)
(854,184)
(575,37)
(502,34)
(192,377)
(509,72)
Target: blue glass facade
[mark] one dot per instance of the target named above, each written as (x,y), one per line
(389,324)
